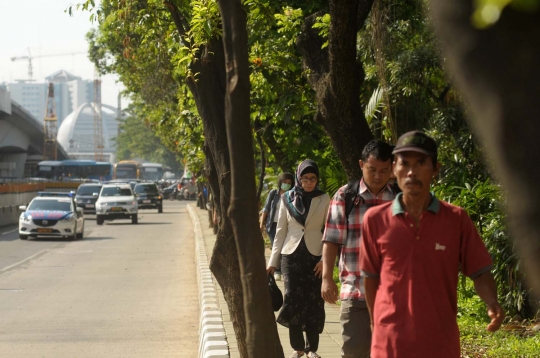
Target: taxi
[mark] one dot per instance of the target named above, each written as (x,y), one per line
(51,215)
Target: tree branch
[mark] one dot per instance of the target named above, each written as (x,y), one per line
(179,20)
(364,8)
(282,160)
(444,93)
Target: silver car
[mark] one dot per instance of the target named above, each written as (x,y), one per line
(116,201)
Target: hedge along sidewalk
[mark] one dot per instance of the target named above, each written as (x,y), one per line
(212,335)
(330,340)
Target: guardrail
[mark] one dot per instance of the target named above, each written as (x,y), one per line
(21,188)
(44,186)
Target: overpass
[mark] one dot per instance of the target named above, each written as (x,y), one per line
(21,139)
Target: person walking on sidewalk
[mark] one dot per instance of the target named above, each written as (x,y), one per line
(412,252)
(298,240)
(270,211)
(343,230)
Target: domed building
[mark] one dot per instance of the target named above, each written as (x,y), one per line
(76,133)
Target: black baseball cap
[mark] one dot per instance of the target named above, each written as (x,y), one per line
(416,141)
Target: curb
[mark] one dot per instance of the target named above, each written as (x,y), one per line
(212,337)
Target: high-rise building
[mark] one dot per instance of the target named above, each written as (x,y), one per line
(70,93)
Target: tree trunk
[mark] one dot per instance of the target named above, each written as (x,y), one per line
(497,70)
(337,75)
(209,97)
(262,333)
(208,92)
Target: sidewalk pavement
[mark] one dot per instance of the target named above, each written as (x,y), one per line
(330,340)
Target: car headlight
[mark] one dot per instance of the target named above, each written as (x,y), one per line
(68,219)
(26,219)
(102,204)
(134,203)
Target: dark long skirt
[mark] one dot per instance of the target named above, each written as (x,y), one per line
(302,303)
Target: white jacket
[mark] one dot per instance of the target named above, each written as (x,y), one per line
(289,232)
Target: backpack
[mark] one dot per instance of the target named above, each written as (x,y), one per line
(352,198)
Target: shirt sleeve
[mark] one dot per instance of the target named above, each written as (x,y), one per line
(474,257)
(268,204)
(335,229)
(370,258)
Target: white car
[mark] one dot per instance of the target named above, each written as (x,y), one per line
(51,215)
(116,201)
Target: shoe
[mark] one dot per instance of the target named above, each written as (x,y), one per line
(296,355)
(313,355)
(277,276)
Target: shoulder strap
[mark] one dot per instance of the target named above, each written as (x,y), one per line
(350,195)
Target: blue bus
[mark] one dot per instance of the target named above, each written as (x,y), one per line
(74,169)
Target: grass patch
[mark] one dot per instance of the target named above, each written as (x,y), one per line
(476,342)
(513,340)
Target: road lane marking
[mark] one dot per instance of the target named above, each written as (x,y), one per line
(23,261)
(9,232)
(75,252)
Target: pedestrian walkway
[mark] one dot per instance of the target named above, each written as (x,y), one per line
(330,340)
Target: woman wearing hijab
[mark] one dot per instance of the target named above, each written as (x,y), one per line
(298,240)
(270,211)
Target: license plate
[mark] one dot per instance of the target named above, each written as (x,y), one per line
(116,209)
(90,205)
(44,230)
(147,201)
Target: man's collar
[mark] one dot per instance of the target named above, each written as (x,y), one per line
(362,188)
(397,208)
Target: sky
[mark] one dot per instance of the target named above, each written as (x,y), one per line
(43,27)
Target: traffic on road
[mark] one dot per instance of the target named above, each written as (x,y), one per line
(73,288)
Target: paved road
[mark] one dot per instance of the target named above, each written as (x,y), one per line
(124,291)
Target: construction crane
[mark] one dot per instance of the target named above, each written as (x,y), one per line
(98,123)
(50,125)
(29,57)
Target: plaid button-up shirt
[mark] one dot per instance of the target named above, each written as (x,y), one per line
(348,234)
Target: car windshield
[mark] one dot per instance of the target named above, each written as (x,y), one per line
(50,205)
(115,191)
(147,189)
(88,189)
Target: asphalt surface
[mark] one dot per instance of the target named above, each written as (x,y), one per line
(123,291)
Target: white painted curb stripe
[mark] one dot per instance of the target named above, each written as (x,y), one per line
(212,337)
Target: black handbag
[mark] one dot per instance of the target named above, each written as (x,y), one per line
(275,293)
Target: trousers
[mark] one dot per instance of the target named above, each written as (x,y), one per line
(355,329)
(296,337)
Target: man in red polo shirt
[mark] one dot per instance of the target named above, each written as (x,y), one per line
(412,251)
